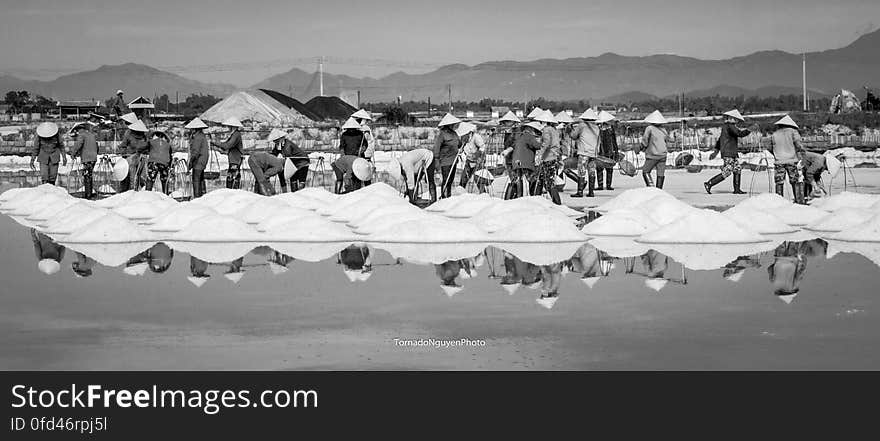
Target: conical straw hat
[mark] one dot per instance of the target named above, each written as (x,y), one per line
(120,169)
(833,164)
(451,290)
(605,117)
(275,135)
(131,118)
(465,128)
(362,114)
(277,268)
(509,116)
(547,302)
(656,283)
(362,169)
(535,125)
(289,168)
(787,121)
(198,281)
(564,117)
(47,130)
(195,124)
(448,120)
(234,277)
(547,117)
(535,112)
(787,298)
(138,126)
(735,114)
(232,122)
(351,275)
(655,118)
(351,124)
(589,115)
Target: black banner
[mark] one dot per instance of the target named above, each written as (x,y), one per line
(116,405)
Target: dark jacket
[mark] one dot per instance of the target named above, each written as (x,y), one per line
(446,145)
(48,150)
(134,142)
(510,142)
(232,147)
(524,150)
(728,143)
(160,151)
(608,143)
(353,142)
(267,163)
(198,151)
(46,248)
(813,163)
(289,149)
(85,147)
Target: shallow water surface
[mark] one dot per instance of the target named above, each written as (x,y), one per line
(782,305)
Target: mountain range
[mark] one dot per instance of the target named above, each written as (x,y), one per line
(608,77)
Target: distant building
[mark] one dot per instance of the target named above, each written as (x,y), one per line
(141,107)
(76,108)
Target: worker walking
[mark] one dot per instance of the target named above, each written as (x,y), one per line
(510,130)
(654,143)
(159,161)
(608,151)
(728,146)
(264,166)
(198,155)
(48,150)
(118,105)
(86,149)
(233,148)
(446,145)
(547,158)
(410,167)
(585,136)
(787,149)
(133,147)
(282,145)
(527,144)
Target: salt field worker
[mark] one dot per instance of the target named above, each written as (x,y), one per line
(585,136)
(49,253)
(351,172)
(133,146)
(447,272)
(352,141)
(118,105)
(410,167)
(608,150)
(654,143)
(159,161)
(264,166)
(86,149)
(786,150)
(728,146)
(364,118)
(527,144)
(282,145)
(198,155)
(510,128)
(787,270)
(549,157)
(474,149)
(813,165)
(48,149)
(233,148)
(446,146)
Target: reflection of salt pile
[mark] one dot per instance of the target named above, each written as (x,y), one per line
(541,254)
(73,217)
(431,229)
(841,219)
(764,201)
(217,228)
(870,250)
(702,257)
(619,246)
(758,221)
(309,251)
(434,253)
(703,227)
(179,217)
(109,228)
(632,198)
(868,231)
(541,227)
(845,199)
(622,222)
(797,215)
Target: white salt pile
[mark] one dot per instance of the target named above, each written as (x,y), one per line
(74,217)
(702,227)
(28,204)
(492,222)
(758,221)
(141,211)
(764,201)
(301,201)
(619,246)
(260,209)
(542,227)
(665,209)
(701,257)
(343,207)
(846,199)
(433,229)
(109,228)
(233,203)
(378,189)
(286,215)
(313,229)
(317,193)
(109,254)
(28,193)
(623,222)
(218,228)
(470,207)
(841,219)
(797,215)
(373,216)
(50,211)
(390,220)
(363,209)
(115,200)
(631,198)
(179,217)
(541,201)
(868,231)
(445,204)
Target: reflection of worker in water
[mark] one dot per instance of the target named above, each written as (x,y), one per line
(654,266)
(790,264)
(82,266)
(447,272)
(734,271)
(356,263)
(551,277)
(49,253)
(235,273)
(160,257)
(278,262)
(198,269)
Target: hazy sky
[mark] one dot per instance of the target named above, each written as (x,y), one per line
(243,41)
